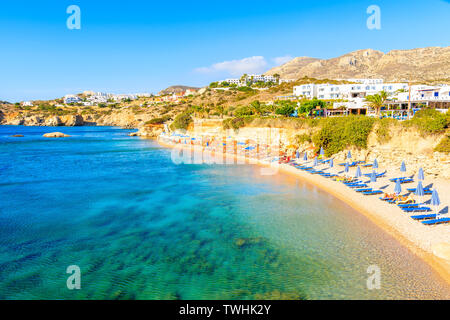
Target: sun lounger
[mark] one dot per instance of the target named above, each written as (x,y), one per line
(361,185)
(414,189)
(424,217)
(399,178)
(364,190)
(408,205)
(436,221)
(370,193)
(416,209)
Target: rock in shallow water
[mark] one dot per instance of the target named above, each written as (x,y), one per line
(56,135)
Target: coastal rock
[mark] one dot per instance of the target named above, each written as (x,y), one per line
(133,134)
(17,135)
(56,135)
(150,131)
(72,120)
(17,122)
(34,121)
(53,121)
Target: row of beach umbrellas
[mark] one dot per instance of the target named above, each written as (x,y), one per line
(435,201)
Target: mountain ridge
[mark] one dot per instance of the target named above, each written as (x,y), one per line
(419,64)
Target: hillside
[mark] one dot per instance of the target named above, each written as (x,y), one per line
(422,64)
(176,89)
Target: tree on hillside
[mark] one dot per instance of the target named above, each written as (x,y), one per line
(377,101)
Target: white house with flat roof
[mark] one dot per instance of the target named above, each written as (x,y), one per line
(345,91)
(70,98)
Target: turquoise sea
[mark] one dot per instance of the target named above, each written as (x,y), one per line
(141,227)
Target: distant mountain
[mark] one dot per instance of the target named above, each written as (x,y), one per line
(432,63)
(176,89)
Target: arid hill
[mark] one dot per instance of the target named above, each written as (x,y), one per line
(176,89)
(422,64)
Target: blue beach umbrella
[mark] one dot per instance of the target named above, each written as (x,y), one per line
(403,167)
(349,155)
(305,157)
(322,152)
(375,164)
(435,202)
(331,163)
(297,155)
(316,161)
(346,167)
(420,175)
(398,187)
(373,177)
(358,172)
(419,191)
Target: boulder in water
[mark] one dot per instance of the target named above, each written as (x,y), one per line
(56,135)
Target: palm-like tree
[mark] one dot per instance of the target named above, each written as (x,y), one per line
(377,101)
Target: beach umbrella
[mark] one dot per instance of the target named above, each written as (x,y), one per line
(331,163)
(419,191)
(435,202)
(305,157)
(349,155)
(346,167)
(358,172)
(403,167)
(398,187)
(373,177)
(297,154)
(375,164)
(420,175)
(316,161)
(322,152)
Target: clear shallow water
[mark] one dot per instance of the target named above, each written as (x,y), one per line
(141,227)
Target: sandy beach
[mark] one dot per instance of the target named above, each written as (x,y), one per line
(430,243)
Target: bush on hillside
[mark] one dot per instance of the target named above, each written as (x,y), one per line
(429,121)
(444,145)
(338,133)
(181,121)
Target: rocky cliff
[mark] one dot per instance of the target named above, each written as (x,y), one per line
(422,64)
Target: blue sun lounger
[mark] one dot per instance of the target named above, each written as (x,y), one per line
(414,189)
(360,185)
(399,178)
(424,217)
(436,221)
(364,190)
(417,209)
(408,205)
(370,193)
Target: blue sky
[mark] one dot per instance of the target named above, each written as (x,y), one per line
(144,46)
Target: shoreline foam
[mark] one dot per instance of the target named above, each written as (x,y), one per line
(397,224)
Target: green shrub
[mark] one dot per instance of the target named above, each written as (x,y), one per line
(181,121)
(429,121)
(286,110)
(160,120)
(383,129)
(302,138)
(243,111)
(444,145)
(338,133)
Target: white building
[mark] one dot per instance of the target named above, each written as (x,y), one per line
(366,81)
(346,91)
(70,98)
(27,104)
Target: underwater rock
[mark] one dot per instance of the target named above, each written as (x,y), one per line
(244,242)
(278,295)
